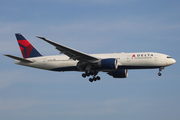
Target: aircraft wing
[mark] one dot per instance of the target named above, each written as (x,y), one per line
(73,54)
(18,58)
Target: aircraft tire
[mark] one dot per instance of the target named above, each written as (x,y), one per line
(88,74)
(90,80)
(83,75)
(98,78)
(94,78)
(159,74)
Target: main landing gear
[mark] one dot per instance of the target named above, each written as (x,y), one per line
(160,69)
(94,78)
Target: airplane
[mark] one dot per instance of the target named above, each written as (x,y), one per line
(115,64)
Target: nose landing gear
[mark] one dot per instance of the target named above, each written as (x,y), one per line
(160,69)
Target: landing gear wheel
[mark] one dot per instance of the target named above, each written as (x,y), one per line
(159,74)
(88,74)
(83,75)
(94,78)
(90,80)
(98,78)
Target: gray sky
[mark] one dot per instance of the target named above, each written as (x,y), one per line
(90,26)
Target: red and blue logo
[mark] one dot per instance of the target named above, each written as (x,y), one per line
(26,48)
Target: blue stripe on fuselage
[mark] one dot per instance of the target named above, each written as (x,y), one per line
(138,67)
(74,68)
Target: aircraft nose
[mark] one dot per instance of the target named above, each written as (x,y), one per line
(170,61)
(173,61)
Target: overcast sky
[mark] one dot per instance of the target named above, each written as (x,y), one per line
(90,26)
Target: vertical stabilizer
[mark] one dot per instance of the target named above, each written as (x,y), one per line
(26,48)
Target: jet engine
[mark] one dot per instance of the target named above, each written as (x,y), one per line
(119,73)
(108,64)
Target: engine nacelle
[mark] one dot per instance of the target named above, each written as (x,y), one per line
(119,73)
(108,64)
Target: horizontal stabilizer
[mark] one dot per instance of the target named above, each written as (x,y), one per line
(18,58)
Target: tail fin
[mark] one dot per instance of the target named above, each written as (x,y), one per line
(26,48)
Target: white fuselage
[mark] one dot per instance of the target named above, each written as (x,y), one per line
(142,60)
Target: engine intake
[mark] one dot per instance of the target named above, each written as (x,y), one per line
(108,64)
(119,73)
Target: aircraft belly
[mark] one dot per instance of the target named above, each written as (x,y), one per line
(52,64)
(59,65)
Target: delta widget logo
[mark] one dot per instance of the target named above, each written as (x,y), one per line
(142,55)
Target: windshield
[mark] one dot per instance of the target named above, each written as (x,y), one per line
(169,57)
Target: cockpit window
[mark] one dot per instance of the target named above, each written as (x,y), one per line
(169,57)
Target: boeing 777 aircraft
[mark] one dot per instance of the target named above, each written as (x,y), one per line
(115,64)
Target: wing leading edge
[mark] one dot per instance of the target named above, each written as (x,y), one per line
(73,54)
